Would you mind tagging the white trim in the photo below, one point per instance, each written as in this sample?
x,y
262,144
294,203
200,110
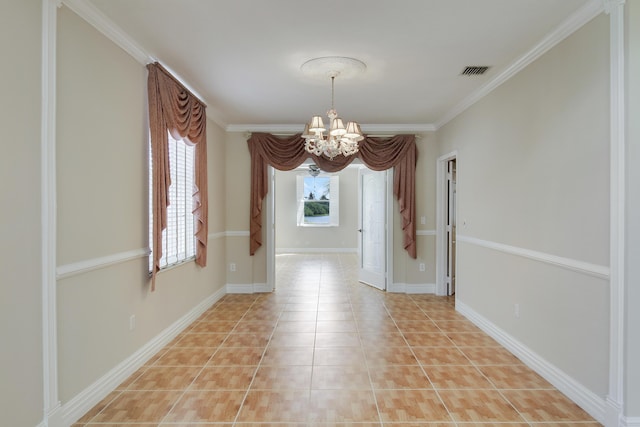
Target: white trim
x,y
598,271
412,288
316,250
578,393
390,199
72,269
247,288
69,270
565,29
92,395
51,401
113,32
261,288
292,129
237,233
397,287
271,231
615,396
425,232
420,288
399,128
214,236
441,221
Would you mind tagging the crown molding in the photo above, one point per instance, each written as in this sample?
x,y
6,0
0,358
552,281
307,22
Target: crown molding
x,y
370,128
565,29
117,35
100,22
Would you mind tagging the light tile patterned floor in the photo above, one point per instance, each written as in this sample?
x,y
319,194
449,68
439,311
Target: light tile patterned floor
x,y
324,350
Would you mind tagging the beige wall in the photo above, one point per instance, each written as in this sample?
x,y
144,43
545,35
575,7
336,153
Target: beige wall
x,y
237,210
407,270
21,375
533,173
632,337
102,211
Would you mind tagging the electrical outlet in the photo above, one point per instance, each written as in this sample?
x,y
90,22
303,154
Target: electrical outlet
x,y
132,322
232,266
516,310
422,266
423,220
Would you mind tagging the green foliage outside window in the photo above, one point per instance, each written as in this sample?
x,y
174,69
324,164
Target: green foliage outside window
x,y
316,208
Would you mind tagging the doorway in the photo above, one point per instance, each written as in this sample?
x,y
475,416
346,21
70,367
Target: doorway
x,y
372,228
352,202
446,224
451,227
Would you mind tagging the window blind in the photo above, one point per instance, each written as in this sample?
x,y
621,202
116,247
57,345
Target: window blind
x,y
178,241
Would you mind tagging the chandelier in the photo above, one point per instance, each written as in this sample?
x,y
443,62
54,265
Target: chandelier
x,y
339,139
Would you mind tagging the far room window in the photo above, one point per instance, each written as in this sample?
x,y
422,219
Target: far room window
x,y
318,201
178,240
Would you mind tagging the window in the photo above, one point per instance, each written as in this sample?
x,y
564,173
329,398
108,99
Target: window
x,y
318,201
178,240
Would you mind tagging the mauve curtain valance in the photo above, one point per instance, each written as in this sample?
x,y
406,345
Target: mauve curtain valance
x,y
175,109
398,152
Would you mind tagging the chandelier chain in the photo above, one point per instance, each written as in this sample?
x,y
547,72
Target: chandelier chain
x,y
333,80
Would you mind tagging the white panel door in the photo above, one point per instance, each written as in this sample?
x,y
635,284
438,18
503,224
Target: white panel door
x,y
373,223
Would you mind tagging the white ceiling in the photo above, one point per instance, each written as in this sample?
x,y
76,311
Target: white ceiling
x,y
243,57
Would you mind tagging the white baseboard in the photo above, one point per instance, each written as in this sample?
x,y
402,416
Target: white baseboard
x,y
261,287
239,288
593,404
243,288
92,395
412,288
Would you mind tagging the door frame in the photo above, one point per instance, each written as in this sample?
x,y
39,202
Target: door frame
x,y
441,221
271,230
271,225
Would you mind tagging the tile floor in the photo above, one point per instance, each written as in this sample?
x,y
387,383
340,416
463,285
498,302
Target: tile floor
x,y
324,350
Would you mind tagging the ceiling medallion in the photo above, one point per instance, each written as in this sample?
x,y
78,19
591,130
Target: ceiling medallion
x,y
339,139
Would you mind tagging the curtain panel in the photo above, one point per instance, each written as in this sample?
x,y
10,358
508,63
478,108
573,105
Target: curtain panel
x,y
174,108
398,152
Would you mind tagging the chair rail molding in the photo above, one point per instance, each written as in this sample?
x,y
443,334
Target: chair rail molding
x,y
598,271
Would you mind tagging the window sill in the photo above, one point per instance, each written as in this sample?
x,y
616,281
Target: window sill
x,y
175,265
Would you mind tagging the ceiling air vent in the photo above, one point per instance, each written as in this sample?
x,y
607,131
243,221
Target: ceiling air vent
x,y
474,71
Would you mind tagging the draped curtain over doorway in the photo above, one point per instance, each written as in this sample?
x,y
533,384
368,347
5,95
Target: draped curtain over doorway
x,y
398,152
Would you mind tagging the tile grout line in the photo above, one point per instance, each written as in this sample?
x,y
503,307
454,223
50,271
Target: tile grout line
x,y
366,361
419,364
184,392
494,388
253,378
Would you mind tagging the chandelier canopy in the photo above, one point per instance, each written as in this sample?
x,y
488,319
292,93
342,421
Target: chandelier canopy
x,y
339,139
